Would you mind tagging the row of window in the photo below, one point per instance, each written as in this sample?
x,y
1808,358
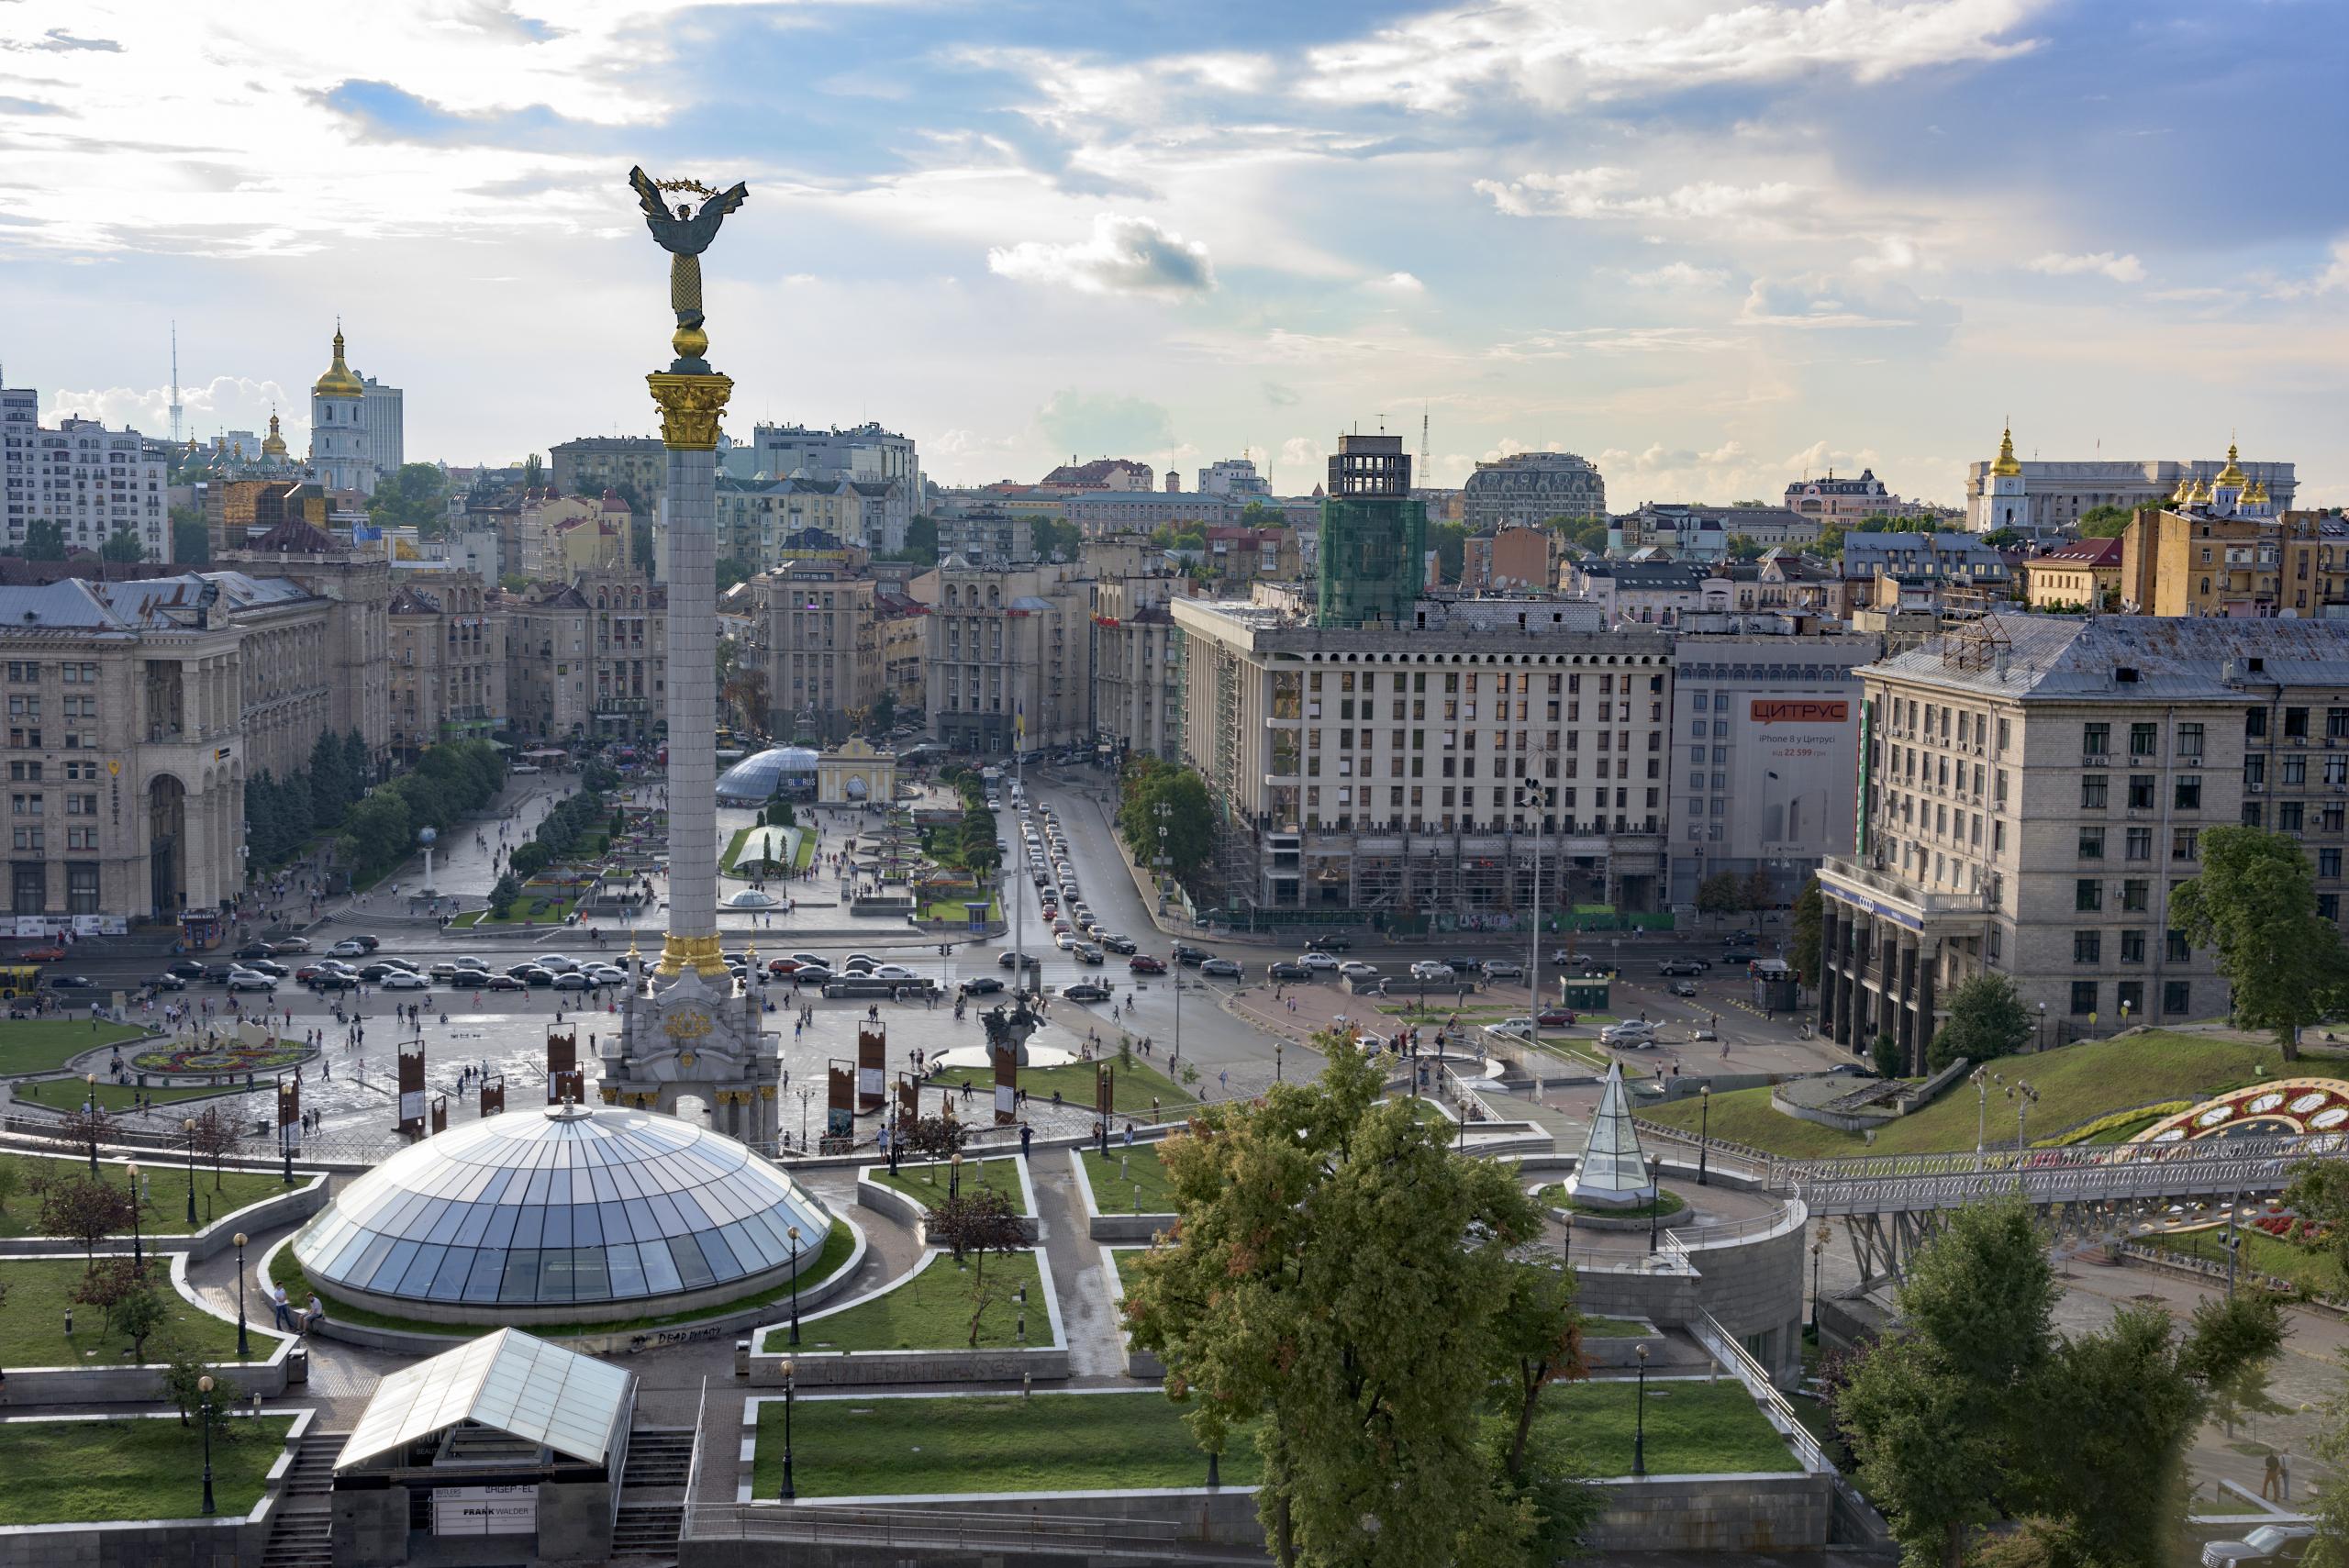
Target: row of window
x,y
28,889
28,671
77,840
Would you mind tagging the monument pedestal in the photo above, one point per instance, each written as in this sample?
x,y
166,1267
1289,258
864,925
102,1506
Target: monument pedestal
x,y
691,1038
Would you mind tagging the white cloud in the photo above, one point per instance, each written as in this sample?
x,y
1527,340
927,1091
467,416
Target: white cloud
x,y
1303,451
1396,283
1123,255
1606,193
1893,253
2119,268
1679,275
2334,277
1561,53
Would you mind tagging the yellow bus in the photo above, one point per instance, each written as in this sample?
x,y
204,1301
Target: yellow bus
x,y
20,979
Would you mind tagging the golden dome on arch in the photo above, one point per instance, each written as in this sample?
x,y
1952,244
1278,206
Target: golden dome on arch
x,y
2007,467
273,444
337,381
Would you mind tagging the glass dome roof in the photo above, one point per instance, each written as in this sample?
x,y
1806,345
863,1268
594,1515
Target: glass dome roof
x,y
754,779
572,1205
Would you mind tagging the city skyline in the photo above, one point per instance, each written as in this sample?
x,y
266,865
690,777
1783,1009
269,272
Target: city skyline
x,y
1710,248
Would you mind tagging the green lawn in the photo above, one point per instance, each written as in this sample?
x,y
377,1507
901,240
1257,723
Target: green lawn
x,y
987,1443
32,1330
806,853
68,1094
931,1311
2309,1268
1693,1429
165,1211
838,1245
46,1044
1612,1328
1667,1202
2076,1083
523,911
1134,1085
951,910
733,848
928,1184
1113,1193
86,1472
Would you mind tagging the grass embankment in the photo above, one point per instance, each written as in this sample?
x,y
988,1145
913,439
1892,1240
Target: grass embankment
x,y
1699,1427
928,1184
44,1045
165,1211
837,1244
931,1311
41,1291
68,1094
2308,1268
2076,1083
987,1443
89,1471
1115,1177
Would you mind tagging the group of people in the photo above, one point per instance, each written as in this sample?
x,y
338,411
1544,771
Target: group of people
x,y
292,1319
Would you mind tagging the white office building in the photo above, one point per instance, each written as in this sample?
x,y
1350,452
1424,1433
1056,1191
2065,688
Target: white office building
x,y
92,482
382,417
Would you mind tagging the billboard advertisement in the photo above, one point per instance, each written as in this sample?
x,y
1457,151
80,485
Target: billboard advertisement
x,y
1790,781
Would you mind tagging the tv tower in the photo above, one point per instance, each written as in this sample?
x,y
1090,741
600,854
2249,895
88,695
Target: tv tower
x,y
1423,446
176,383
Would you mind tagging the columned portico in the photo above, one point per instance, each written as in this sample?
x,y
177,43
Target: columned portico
x,y
1881,944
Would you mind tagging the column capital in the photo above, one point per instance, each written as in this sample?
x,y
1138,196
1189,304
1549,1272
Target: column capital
x,y
690,408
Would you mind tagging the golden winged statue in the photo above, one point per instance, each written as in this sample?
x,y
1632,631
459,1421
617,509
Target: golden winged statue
x,y
685,234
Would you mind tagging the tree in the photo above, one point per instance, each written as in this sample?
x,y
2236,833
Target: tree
x,y
1744,547
1756,892
1583,533
2256,901
331,787
1807,951
2106,522
1933,1410
883,715
358,763
414,496
84,1210
732,569
182,1368
11,1178
977,1220
2330,1547
1189,822
1051,536
921,541
1450,542
936,1137
503,894
191,541
123,547
534,473
122,1291
1720,894
1344,1282
44,540
214,1136
1987,1019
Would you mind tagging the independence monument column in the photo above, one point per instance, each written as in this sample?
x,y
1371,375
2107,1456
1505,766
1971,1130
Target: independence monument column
x,y
692,1035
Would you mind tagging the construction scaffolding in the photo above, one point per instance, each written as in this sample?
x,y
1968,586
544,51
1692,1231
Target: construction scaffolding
x,y
1374,536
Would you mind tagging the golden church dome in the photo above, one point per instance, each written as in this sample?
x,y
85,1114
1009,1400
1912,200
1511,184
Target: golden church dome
x,y
337,381
2007,467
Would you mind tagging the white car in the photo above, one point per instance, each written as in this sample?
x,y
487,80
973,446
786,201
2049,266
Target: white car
x,y
1504,969
1317,962
606,974
895,972
1425,969
403,980
251,980
1065,941
555,963
350,947
1356,969
1632,1034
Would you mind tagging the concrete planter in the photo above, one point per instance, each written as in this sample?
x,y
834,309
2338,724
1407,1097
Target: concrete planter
x,y
1045,1361
118,1383
1104,1227
1713,1513
729,1325
297,1203
1142,1364
1622,1350
910,1212
221,1541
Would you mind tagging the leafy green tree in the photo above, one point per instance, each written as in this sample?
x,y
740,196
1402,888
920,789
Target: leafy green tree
x,y
1987,1019
11,1178
528,860
1450,542
2106,522
732,569
884,716
2318,1195
331,782
358,764
502,896
122,547
182,1368
1189,822
2256,901
376,834
191,541
1936,1413
1720,894
1056,534
2330,1502
1805,951
921,541
1829,542
975,1222
1744,547
122,1290
44,540
1345,1282
534,473
1584,533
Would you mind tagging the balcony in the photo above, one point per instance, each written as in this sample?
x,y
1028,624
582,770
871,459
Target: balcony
x,y
1888,893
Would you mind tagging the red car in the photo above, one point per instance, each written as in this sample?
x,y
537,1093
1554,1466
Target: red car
x,y
1554,1017
49,954
1142,963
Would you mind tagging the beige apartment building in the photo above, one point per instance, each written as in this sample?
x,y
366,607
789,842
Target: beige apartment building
x,y
1137,653
1418,772
448,663
355,663
587,656
1003,641
818,635
2035,788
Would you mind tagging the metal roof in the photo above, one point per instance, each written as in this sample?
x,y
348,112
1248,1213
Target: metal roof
x,y
2166,658
508,1381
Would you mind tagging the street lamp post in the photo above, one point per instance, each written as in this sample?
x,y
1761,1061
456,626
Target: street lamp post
x,y
1276,1060
203,1393
2234,1243
1704,1131
1818,1249
954,1174
90,1119
790,1380
1980,1078
805,1095
1655,1203
1165,866
2023,1095
190,1127
793,1232
138,1250
2042,1026
1640,1430
244,1345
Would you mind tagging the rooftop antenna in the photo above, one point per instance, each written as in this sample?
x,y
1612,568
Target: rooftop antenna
x,y
175,383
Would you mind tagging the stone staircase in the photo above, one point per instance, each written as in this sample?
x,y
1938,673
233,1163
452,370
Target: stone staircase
x,y
656,1457
648,1529
303,1534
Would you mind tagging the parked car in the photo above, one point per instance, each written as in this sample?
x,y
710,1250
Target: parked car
x,y
981,985
1684,989
1142,963
1681,966
247,980
250,950
1228,968
1190,956
187,968
289,944
1085,991
1120,943
1850,1069
401,980
1631,1033
1016,960
1335,942
1284,969
2283,1543
168,982
1318,963
350,947
1504,969
1431,969
1558,1016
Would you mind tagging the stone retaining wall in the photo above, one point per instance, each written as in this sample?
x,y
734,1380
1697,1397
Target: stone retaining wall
x,y
221,1541
1622,1350
290,1207
1113,1226
1044,1361
120,1382
1712,1513
909,1211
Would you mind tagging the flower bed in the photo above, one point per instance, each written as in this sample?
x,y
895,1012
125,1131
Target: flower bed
x,y
222,1056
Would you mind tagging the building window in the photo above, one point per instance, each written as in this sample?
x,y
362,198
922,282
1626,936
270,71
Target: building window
x,y
2328,863
2091,844
2096,739
82,890
2141,844
2328,905
2290,815
2175,948
2189,740
2141,792
2136,894
2088,894
2188,795
2088,946
29,888
2083,997
2178,998
2295,724
2132,946
2142,740
2093,789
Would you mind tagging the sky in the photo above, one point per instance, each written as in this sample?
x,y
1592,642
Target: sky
x,y
1713,246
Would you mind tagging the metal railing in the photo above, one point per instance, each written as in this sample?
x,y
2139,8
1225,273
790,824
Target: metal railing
x,y
1893,1182
693,1466
940,1528
1724,1348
